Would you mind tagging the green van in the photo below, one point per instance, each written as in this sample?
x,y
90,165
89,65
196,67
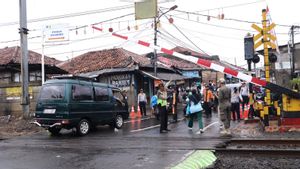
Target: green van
x,y
79,103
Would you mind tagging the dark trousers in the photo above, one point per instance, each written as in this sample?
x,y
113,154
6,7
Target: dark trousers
x,y
235,109
175,118
197,115
163,117
245,102
207,109
143,108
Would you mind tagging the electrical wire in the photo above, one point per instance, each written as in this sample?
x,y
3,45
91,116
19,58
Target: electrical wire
x,y
183,34
173,38
174,41
69,15
208,34
232,6
101,36
218,26
228,19
84,26
86,49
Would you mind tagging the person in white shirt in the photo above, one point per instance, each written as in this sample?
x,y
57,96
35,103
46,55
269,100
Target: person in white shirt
x,y
244,90
142,101
235,104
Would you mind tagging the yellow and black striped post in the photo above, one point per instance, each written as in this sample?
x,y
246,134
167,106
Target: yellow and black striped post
x,y
264,37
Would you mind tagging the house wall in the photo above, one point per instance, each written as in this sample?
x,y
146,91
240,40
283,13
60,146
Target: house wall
x,y
10,91
283,76
125,81
10,99
211,75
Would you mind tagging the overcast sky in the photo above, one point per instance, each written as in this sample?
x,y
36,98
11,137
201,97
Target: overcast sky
x,y
215,37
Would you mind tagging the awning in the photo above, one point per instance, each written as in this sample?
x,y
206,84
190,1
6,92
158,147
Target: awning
x,y
164,76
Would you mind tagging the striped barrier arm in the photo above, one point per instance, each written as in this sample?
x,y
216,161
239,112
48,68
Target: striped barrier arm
x,y
211,65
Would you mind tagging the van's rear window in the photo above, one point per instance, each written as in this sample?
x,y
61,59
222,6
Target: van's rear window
x,y
53,92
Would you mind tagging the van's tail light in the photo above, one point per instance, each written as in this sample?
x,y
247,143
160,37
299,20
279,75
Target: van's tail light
x,y
65,122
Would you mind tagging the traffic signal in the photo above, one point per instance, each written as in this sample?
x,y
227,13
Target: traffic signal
x,y
249,47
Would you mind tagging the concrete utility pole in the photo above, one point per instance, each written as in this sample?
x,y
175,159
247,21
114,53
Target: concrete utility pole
x,y
24,55
293,52
155,51
156,21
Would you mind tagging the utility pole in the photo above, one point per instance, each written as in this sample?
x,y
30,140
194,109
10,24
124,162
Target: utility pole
x,y
155,51
43,58
156,21
24,55
293,52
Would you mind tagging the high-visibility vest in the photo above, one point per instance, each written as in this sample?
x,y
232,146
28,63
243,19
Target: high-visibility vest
x,y
162,102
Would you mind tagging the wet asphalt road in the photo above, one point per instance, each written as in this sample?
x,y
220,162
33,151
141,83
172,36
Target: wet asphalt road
x,y
138,145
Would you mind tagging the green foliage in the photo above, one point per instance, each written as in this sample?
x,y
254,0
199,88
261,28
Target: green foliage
x,y
295,82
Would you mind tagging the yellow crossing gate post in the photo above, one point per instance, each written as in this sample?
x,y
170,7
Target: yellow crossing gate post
x,y
264,37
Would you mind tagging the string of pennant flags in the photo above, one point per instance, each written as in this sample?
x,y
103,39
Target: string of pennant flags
x,y
113,26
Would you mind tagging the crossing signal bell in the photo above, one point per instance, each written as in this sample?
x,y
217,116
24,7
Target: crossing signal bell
x,y
256,58
272,58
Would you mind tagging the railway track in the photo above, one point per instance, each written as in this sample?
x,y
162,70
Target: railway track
x,y
267,147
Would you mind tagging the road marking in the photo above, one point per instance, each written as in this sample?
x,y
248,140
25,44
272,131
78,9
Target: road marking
x,y
131,121
143,129
151,127
216,122
206,127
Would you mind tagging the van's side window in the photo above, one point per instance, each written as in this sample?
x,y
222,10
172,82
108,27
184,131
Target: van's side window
x,y
53,92
80,92
118,96
101,94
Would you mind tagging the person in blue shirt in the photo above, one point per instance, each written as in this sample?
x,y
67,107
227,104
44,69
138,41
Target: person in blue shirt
x,y
154,106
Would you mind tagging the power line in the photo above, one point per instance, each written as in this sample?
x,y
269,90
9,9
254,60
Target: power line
x,y
225,7
101,36
218,26
86,49
228,19
208,34
80,27
232,6
173,38
186,36
69,15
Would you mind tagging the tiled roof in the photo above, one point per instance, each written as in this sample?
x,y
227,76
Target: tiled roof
x,y
12,55
186,51
104,59
229,65
176,62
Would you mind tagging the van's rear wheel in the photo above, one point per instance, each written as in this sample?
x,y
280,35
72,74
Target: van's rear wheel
x,y
118,122
54,131
83,127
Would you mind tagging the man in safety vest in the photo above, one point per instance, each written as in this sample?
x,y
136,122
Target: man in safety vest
x,y
162,107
